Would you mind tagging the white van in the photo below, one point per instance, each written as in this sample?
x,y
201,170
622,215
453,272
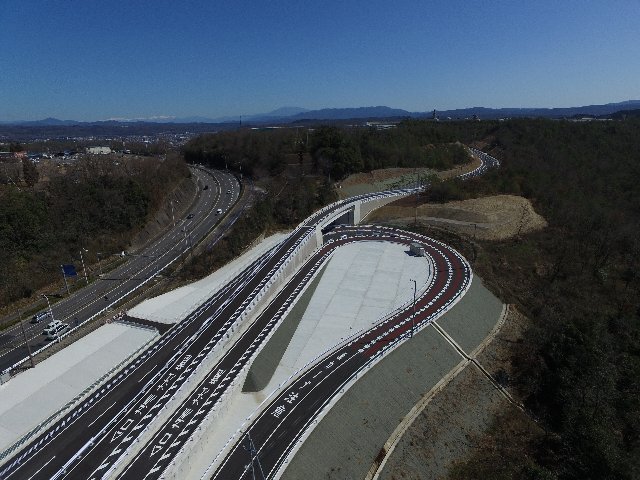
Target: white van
x,y
58,330
51,326
219,211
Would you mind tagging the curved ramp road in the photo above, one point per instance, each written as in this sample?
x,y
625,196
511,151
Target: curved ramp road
x,y
291,413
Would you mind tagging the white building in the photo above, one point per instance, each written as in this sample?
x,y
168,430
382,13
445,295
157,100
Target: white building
x,y
98,150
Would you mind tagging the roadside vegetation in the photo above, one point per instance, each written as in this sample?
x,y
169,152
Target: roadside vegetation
x,y
578,281
295,171
98,204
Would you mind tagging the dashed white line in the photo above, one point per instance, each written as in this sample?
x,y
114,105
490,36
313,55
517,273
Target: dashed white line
x,y
98,417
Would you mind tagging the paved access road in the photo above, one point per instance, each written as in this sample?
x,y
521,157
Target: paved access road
x,y
139,269
276,431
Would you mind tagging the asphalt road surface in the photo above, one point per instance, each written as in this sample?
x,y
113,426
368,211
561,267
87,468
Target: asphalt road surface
x,y
276,430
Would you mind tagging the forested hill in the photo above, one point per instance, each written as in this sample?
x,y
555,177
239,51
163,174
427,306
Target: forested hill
x,y
98,204
578,281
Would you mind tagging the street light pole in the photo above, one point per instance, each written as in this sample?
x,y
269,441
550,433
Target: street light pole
x,y
64,277
99,262
86,279
49,303
253,454
26,340
51,312
413,317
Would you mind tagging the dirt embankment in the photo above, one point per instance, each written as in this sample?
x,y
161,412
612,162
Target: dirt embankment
x,y
489,218
387,178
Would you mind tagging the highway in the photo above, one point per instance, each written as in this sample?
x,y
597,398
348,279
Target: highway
x,y
451,280
93,440
110,288
84,435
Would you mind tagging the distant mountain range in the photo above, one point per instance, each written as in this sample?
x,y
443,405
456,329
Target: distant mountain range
x,y
297,114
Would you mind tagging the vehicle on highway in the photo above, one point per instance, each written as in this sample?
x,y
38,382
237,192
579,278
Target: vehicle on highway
x,y
38,317
229,191
219,211
57,331
51,326
190,216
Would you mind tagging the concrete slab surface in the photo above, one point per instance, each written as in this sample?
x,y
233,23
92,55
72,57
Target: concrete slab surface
x,y
173,306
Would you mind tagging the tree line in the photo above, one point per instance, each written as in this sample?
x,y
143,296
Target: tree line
x,y
335,152
97,204
578,281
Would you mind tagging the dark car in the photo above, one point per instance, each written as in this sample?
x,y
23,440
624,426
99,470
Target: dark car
x,y
38,317
190,216
206,187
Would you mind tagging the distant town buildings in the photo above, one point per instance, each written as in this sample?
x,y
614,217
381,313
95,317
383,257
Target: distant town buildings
x,y
98,150
381,125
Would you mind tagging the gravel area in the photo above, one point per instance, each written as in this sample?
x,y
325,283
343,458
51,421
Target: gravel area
x,y
489,218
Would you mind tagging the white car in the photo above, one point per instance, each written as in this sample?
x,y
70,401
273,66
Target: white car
x,y
51,326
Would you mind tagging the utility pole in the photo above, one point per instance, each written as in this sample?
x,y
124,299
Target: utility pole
x,y
26,340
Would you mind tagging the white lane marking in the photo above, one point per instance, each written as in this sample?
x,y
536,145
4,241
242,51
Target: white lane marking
x,y
98,417
147,373
38,471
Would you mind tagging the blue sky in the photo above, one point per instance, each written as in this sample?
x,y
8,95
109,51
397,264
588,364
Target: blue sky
x,y
100,59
